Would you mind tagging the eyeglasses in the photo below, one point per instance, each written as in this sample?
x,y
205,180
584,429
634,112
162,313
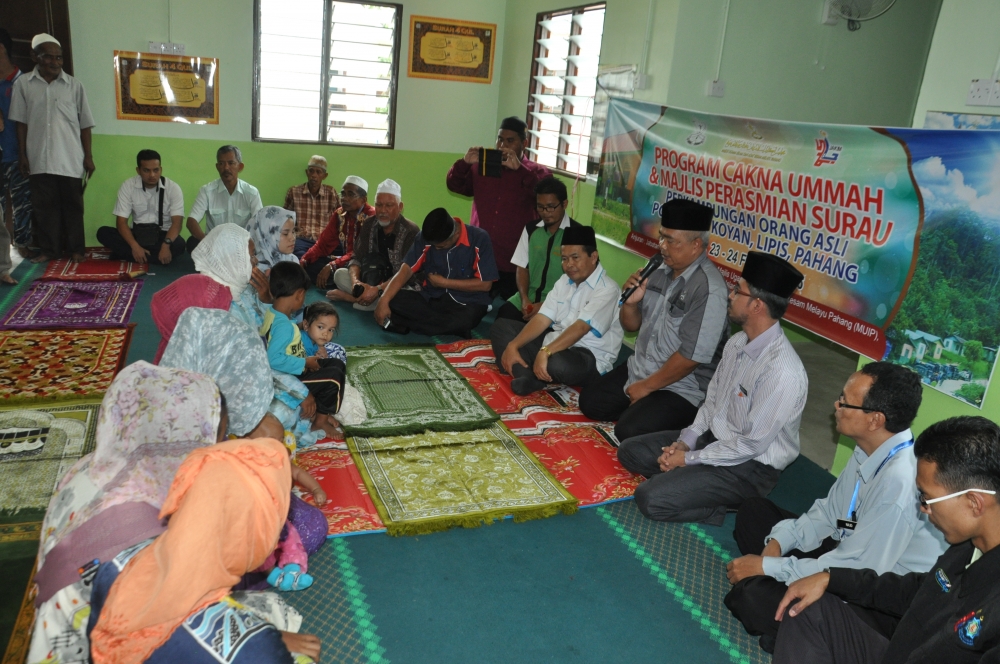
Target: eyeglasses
x,y
735,290
548,208
927,503
349,194
842,404
50,58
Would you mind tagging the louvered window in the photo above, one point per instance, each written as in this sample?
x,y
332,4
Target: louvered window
x,y
563,85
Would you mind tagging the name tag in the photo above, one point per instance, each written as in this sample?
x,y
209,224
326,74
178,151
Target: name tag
x,y
844,524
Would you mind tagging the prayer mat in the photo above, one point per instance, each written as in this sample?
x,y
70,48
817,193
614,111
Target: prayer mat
x,y
73,304
98,266
349,509
439,479
409,389
60,364
37,446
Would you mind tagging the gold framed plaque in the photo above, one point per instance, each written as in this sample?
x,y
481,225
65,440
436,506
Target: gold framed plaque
x,y
166,88
451,50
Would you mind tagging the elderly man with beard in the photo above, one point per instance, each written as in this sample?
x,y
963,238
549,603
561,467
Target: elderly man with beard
x,y
335,246
379,252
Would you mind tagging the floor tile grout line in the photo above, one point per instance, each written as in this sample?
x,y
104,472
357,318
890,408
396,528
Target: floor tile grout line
x,y
364,622
687,602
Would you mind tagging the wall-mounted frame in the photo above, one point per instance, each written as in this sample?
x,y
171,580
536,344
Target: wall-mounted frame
x,y
451,50
166,88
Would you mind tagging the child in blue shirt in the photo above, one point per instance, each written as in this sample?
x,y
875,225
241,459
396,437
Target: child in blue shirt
x,y
286,349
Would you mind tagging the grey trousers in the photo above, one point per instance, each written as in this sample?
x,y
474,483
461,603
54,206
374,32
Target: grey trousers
x,y
573,366
699,493
828,632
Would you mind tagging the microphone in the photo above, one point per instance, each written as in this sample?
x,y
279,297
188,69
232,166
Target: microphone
x,y
654,262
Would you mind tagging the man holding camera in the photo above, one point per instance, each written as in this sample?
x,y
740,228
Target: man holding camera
x,y
503,200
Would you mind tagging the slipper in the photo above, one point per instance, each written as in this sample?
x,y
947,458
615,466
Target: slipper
x,y
290,577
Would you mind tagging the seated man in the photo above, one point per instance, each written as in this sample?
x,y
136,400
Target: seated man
x,y
537,257
945,615
313,204
579,319
156,206
680,313
382,244
870,519
454,266
228,200
747,430
335,246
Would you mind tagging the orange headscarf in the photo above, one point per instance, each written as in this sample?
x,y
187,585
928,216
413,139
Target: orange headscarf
x,y
228,503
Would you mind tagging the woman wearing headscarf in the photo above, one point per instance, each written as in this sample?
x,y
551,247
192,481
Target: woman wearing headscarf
x,y
273,234
150,418
226,508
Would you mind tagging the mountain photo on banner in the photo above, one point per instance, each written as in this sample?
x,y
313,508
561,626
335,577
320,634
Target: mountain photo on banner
x,y
948,327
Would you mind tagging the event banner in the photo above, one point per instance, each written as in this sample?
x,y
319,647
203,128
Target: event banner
x,y
897,231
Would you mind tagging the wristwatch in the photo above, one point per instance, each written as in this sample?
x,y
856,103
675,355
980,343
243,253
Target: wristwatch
x,y
545,349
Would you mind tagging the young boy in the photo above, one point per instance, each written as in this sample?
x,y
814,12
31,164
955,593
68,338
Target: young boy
x,y
286,352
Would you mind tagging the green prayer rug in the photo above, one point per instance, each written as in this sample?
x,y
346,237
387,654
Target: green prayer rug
x,y
410,389
37,447
436,480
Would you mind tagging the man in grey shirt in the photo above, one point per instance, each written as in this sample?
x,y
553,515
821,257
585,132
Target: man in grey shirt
x,y
870,519
747,430
680,313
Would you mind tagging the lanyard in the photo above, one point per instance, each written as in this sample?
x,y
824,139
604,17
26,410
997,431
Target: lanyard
x,y
852,514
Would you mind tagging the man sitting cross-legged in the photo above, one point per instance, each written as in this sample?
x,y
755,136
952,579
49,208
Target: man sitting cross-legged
x,y
869,520
946,614
579,321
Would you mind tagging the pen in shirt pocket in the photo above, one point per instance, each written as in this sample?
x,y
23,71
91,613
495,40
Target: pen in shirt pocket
x,y
743,392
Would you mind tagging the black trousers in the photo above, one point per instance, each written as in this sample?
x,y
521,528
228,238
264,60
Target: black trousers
x,y
573,366
509,311
699,493
829,632
192,242
313,269
604,399
754,600
505,286
57,201
326,385
441,315
109,237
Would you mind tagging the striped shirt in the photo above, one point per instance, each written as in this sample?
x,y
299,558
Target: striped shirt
x,y
754,404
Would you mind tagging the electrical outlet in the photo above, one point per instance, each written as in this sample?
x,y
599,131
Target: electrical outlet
x,y
156,47
176,49
715,88
829,17
994,99
979,92
642,81
166,47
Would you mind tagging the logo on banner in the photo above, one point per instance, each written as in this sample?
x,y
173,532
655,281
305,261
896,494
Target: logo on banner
x,y
756,135
826,152
697,137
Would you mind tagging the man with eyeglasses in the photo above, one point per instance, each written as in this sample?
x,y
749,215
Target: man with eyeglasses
x,y
868,520
537,259
501,205
313,204
227,200
680,315
946,614
54,125
334,248
747,431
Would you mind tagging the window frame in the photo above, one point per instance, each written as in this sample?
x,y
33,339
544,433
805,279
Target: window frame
x,y
536,53
324,111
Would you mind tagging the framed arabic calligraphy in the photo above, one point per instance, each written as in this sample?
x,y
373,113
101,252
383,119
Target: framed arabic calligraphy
x,y
451,50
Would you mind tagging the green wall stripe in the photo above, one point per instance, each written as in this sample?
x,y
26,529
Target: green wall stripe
x,y
715,632
364,621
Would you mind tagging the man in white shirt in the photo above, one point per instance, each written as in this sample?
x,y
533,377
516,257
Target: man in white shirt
x,y
579,321
156,206
228,200
747,430
53,134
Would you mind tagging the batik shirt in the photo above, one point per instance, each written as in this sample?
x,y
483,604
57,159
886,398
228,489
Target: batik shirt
x,y
340,233
225,631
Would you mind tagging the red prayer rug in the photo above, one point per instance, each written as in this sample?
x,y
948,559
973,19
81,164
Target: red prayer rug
x,y
73,304
98,266
348,509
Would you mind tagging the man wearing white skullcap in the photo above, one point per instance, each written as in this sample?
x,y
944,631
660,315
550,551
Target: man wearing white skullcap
x,y
53,122
335,246
313,203
379,251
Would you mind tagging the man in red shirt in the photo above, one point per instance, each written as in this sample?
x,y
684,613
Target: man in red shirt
x,y
501,206
335,246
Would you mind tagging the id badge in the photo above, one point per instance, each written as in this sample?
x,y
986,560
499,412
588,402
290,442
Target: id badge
x,y
844,524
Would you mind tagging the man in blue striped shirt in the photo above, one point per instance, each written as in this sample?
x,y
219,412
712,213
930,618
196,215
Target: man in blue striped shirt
x,y
747,430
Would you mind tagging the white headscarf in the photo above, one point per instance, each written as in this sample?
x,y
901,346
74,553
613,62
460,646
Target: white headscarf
x,y
224,255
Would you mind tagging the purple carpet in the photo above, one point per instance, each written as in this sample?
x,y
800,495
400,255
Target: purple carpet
x,y
73,304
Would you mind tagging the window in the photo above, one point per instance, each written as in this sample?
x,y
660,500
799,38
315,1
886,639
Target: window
x,y
325,71
563,85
